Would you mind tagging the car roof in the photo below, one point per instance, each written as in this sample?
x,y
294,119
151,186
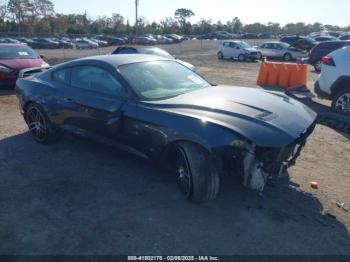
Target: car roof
x,y
124,59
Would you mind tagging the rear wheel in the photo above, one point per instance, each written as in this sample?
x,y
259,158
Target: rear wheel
x,y
318,66
40,126
341,101
195,173
287,57
220,56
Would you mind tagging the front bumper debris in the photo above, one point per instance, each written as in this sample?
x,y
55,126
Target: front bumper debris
x,y
269,164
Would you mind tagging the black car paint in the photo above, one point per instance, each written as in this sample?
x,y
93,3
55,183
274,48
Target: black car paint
x,y
325,48
214,117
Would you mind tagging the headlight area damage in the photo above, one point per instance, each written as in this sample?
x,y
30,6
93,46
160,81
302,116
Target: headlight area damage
x,y
260,165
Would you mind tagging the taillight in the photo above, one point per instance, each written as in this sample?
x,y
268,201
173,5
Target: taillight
x,y
326,60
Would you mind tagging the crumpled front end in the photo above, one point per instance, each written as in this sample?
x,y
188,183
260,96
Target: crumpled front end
x,y
262,164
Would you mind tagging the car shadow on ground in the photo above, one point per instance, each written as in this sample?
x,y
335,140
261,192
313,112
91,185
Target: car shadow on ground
x,y
78,197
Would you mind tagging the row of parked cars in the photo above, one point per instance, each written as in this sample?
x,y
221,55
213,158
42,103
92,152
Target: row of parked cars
x,y
288,48
93,42
330,58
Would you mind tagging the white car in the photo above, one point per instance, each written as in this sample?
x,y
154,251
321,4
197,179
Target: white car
x,y
238,50
85,44
334,80
279,50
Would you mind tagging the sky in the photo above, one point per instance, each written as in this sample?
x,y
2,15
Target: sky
x,y
334,12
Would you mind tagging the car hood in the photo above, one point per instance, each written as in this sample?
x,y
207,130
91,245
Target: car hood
x,y
22,63
267,119
250,49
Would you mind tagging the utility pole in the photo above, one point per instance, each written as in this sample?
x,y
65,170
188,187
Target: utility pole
x,y
137,16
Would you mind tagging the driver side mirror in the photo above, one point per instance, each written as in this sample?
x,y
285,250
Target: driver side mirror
x,y
237,47
42,56
175,57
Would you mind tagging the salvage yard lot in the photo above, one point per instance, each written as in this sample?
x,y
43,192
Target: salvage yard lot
x,y
78,197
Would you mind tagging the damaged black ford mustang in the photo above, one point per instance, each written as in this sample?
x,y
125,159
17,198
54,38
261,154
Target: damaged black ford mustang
x,y
161,110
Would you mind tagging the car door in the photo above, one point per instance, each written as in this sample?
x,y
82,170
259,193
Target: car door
x,y
93,101
233,50
269,50
264,50
277,50
225,49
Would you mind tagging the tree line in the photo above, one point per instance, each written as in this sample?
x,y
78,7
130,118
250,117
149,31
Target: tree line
x,y
39,17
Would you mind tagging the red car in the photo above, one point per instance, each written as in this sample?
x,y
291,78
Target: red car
x,y
15,57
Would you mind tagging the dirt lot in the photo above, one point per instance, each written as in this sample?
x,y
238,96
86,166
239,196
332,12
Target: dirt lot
x,y
77,197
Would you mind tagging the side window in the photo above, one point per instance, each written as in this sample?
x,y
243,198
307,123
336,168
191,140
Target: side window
x,y
60,75
226,44
95,79
277,46
127,51
233,45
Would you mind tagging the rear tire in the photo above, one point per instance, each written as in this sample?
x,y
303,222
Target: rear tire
x,y
196,172
40,126
287,57
341,101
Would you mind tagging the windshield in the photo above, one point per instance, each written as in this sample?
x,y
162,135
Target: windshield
x,y
161,79
17,52
155,51
243,45
310,40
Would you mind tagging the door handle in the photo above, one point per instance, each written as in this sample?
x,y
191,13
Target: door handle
x,y
68,100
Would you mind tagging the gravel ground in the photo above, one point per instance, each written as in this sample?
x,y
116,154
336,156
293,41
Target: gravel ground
x,y
78,197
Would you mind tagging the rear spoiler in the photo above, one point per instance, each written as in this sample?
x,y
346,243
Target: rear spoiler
x,y
31,71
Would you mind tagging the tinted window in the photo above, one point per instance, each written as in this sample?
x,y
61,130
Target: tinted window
x,y
332,46
268,46
233,45
95,79
127,51
60,75
226,44
277,46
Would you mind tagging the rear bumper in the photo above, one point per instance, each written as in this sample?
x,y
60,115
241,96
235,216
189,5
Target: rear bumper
x,y
319,92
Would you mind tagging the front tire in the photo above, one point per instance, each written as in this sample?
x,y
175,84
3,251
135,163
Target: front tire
x,y
341,101
40,126
241,58
195,171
